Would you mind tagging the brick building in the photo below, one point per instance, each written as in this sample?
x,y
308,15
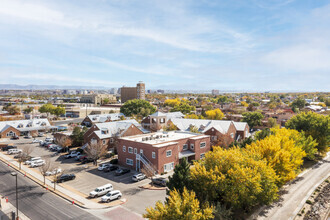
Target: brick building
x,y
221,131
158,120
129,93
98,99
108,133
9,129
160,151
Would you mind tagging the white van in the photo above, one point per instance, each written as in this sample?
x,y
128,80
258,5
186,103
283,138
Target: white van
x,y
14,151
102,190
37,163
28,162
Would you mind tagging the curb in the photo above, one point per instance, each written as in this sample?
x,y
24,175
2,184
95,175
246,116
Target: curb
x,y
63,196
141,187
297,210
43,186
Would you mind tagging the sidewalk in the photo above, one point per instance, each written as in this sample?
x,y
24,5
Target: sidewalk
x,y
7,208
60,190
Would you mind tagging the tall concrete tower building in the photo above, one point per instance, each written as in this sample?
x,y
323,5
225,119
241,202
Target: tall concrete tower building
x,y
141,90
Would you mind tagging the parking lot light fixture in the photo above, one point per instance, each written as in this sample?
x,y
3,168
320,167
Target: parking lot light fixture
x,y
15,174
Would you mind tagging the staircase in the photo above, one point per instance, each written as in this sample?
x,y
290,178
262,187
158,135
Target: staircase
x,y
147,163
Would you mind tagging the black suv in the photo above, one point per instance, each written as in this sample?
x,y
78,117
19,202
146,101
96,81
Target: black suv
x,y
120,172
65,177
8,147
110,168
159,181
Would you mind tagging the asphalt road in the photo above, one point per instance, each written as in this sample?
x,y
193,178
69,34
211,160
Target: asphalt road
x,y
34,201
295,193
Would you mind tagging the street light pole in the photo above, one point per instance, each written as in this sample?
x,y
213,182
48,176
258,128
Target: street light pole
x,y
15,174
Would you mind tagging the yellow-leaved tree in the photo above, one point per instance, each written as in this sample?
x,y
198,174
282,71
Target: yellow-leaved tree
x,y
234,179
172,102
215,114
281,153
183,206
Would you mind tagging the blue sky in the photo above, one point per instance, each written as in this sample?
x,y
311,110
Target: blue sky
x,y
244,45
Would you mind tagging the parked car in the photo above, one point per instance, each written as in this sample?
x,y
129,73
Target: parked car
x,y
72,154
37,163
65,177
87,160
46,143
36,141
14,151
77,158
49,140
115,194
159,181
120,172
103,166
110,168
59,149
40,134
15,137
52,147
8,147
138,177
53,172
100,191
28,137
28,162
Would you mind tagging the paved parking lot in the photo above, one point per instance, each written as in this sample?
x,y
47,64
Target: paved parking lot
x,y
89,178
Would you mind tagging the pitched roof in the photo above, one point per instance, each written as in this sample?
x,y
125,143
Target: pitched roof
x,y
240,126
33,123
204,125
169,115
115,128
104,117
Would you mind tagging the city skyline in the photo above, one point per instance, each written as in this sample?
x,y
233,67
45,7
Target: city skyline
x,y
242,46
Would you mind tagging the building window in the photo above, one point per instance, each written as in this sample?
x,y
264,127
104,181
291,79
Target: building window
x,y
214,138
168,167
130,150
135,151
246,133
192,146
124,148
153,155
129,162
232,135
10,134
202,156
202,145
168,153
141,151
111,140
185,147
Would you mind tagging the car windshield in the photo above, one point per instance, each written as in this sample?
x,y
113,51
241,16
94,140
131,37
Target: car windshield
x,y
96,190
108,194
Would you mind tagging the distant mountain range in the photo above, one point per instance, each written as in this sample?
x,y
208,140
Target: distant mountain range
x,y
47,87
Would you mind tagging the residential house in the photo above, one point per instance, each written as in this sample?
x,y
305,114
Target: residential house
x,y
93,119
10,129
221,131
160,151
108,133
158,120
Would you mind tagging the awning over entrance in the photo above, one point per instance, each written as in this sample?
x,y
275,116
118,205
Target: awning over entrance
x,y
186,153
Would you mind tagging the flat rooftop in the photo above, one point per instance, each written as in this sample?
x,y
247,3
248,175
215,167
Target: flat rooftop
x,y
162,138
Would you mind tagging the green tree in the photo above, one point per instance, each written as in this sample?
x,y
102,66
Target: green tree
x,y
47,108
180,178
137,107
252,118
106,101
184,108
222,99
58,111
298,103
314,125
13,110
178,206
272,122
28,110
